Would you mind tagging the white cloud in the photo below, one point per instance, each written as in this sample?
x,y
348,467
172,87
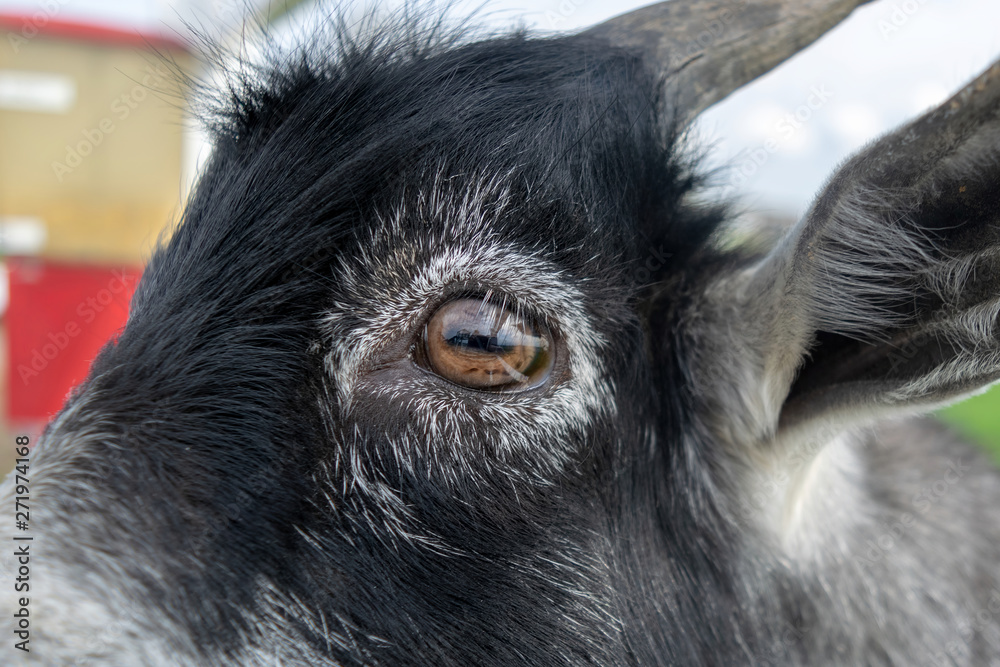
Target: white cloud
x,y
855,124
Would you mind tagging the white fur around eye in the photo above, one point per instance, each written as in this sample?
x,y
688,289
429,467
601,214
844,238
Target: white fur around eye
x,y
384,294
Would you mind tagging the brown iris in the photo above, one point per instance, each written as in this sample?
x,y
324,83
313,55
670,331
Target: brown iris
x,y
480,345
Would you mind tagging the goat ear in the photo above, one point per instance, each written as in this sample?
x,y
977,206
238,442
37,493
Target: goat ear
x,y
886,296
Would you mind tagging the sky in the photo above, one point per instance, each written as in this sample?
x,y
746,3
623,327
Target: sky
x,y
778,139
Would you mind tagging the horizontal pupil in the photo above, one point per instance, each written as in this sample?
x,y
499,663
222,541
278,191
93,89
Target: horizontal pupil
x,y
482,346
477,342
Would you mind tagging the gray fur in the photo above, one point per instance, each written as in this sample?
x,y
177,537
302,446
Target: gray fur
x,y
774,503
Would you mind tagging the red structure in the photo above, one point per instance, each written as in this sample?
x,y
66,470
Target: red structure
x,y
92,159
29,24
61,316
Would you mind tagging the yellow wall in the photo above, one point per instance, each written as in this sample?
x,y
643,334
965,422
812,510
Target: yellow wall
x,y
110,204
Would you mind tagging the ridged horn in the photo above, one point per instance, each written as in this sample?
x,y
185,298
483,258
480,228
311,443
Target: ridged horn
x,y
706,49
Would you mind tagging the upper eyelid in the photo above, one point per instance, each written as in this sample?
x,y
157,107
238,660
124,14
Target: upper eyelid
x,y
497,297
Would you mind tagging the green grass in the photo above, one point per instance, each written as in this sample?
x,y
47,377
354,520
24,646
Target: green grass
x,y
978,418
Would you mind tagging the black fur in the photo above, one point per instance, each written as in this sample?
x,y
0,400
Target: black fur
x,y
240,497
216,374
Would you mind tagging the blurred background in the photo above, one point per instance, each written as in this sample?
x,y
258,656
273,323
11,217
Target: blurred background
x,y
98,148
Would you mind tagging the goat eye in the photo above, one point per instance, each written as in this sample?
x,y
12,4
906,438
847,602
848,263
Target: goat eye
x,y
480,345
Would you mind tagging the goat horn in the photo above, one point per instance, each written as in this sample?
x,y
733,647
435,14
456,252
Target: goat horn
x,y
706,49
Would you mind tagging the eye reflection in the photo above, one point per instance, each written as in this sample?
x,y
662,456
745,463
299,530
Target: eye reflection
x,y
480,345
